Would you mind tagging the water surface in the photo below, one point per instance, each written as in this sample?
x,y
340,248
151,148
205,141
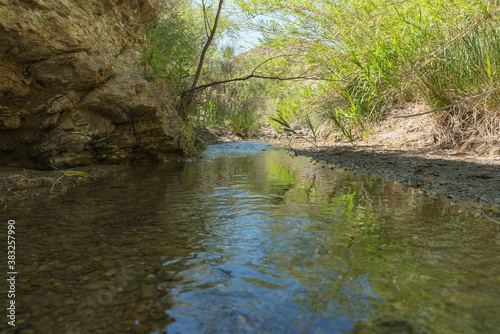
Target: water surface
x,y
251,240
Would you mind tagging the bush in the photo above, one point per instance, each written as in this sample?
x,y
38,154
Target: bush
x,y
373,54
215,109
171,45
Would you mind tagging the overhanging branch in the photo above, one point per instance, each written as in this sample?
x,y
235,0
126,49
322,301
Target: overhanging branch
x,y
253,74
250,76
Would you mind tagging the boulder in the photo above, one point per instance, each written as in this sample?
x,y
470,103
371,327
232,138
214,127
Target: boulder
x,y
71,85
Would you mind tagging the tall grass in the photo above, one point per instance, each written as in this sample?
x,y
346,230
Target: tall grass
x,y
467,68
397,61
189,141
379,53
244,122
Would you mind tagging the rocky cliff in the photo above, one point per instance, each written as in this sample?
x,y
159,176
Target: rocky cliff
x,y
71,91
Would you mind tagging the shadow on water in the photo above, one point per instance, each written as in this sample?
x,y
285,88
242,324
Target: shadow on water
x,y
251,240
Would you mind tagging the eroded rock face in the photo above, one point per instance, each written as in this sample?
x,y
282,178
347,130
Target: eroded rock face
x,y
71,91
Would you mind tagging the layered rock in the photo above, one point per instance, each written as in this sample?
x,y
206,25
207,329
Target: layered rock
x,y
71,90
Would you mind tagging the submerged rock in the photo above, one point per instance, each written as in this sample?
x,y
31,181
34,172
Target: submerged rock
x,y
205,274
71,90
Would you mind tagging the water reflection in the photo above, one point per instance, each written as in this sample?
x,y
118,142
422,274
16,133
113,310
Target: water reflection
x,y
251,240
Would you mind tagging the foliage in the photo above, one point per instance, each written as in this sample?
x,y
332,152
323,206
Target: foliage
x,y
171,51
258,95
171,45
210,109
243,121
279,117
189,141
372,54
171,48
215,109
368,55
338,117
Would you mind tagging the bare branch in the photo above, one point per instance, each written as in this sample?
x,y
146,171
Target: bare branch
x,y
207,45
205,18
301,76
250,76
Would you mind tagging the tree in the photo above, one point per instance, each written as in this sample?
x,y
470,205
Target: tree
x,y
187,96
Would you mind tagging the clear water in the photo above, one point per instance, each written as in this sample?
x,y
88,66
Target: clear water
x,y
251,240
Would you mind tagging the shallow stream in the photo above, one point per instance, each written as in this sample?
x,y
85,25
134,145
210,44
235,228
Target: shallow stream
x,y
251,240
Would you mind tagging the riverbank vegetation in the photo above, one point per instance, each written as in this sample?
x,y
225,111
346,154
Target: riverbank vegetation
x,y
331,65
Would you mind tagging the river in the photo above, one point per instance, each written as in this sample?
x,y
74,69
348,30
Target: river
x,y
252,240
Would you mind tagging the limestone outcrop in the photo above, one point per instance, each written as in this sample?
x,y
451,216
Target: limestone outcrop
x,y
71,90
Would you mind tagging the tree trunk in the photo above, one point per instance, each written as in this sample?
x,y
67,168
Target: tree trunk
x,y
188,96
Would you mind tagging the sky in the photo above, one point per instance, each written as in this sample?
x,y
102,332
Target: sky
x,y
244,40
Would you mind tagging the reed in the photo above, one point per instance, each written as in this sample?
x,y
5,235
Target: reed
x,y
379,53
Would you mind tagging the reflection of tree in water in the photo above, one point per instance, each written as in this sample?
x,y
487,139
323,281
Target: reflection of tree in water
x,y
374,240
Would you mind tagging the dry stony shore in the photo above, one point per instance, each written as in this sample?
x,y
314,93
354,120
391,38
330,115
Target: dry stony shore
x,y
446,176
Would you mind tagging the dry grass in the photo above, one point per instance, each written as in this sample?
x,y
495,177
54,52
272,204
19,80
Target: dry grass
x,y
457,131
465,126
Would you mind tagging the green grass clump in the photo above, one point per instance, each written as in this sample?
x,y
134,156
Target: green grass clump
x,y
467,68
189,142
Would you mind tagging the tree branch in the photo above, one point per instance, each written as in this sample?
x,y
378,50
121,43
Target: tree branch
x,y
207,45
250,76
205,18
187,96
302,76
